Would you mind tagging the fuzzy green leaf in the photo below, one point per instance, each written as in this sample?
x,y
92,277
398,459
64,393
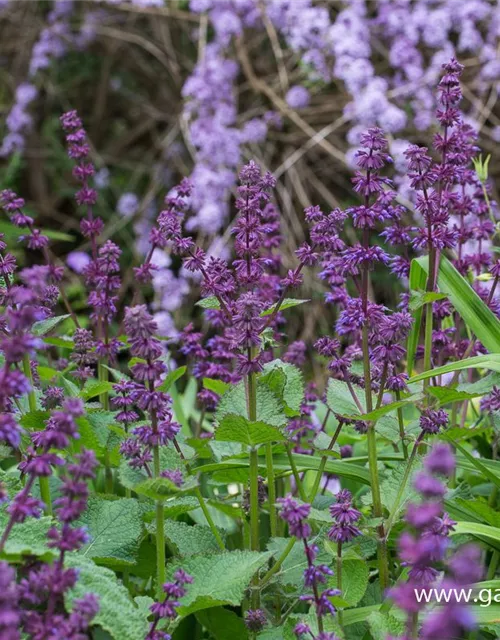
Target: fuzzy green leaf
x,y
220,579
234,428
114,527
118,614
270,409
43,327
188,540
286,381
355,575
27,538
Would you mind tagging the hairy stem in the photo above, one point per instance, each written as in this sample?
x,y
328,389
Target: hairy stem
x,y
322,464
271,490
296,475
201,501
160,530
339,577
104,399
401,428
42,480
254,518
402,486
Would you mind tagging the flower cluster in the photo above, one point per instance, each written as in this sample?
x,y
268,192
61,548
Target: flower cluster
x,y
295,515
346,517
424,552
167,608
143,393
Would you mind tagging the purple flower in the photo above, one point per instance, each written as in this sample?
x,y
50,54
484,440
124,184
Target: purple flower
x,y
255,620
10,617
127,205
168,608
298,97
432,420
78,261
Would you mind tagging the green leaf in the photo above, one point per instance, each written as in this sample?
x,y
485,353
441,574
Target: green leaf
x,y
44,326
355,575
171,378
287,303
269,407
481,468
477,529
489,361
391,485
417,282
63,342
475,313
233,428
220,579
58,235
286,381
47,373
343,468
118,614
179,506
189,540
481,386
223,624
114,527
162,488
419,299
69,387
385,625
340,400
217,386
93,388
100,421
27,538
291,572
446,395
34,420
208,303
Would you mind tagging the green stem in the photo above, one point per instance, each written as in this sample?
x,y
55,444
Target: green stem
x,y
322,464
160,530
401,427
211,523
277,565
43,481
492,569
373,467
104,399
296,475
254,518
428,342
201,501
254,499
271,490
402,485
339,577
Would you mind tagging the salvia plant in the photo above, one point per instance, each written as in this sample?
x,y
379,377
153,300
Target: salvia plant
x,y
154,488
